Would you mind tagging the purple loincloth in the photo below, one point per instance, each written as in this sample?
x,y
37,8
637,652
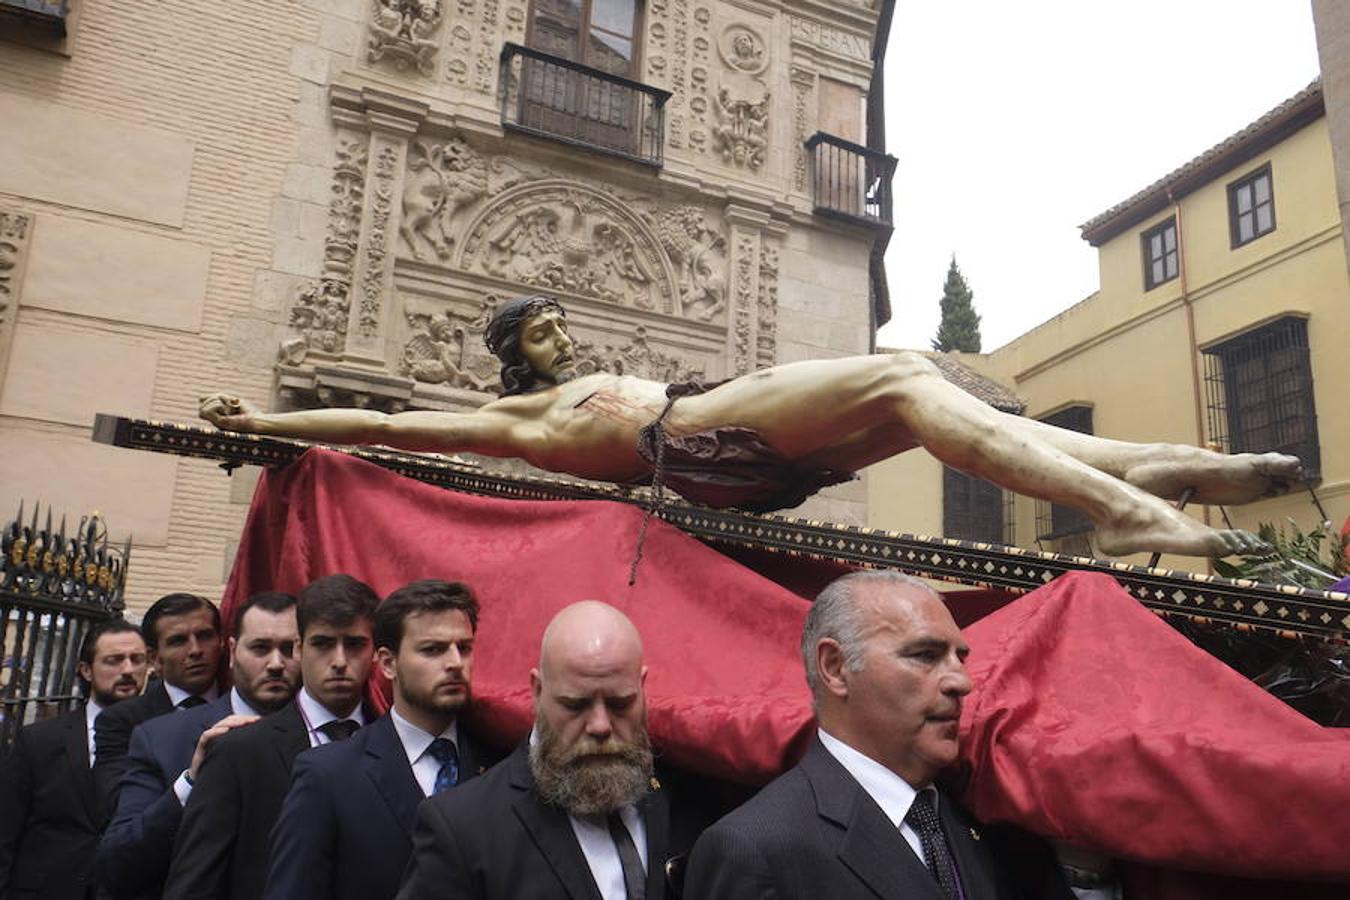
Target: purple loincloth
x,y
730,466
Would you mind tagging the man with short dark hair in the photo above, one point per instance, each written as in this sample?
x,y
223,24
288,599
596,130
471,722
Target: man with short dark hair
x,y
50,814
575,811
222,844
182,632
345,828
859,818
166,752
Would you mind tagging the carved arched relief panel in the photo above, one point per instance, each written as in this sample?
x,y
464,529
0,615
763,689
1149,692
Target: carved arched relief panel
x,y
562,236
404,34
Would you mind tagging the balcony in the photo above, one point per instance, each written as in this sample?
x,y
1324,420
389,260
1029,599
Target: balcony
x,y
45,14
547,95
849,181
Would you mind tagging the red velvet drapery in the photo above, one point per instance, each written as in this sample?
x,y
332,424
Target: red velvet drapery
x,y
1091,720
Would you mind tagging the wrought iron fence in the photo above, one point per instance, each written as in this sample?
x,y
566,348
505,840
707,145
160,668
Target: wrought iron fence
x,y
1259,388
557,98
53,589
850,180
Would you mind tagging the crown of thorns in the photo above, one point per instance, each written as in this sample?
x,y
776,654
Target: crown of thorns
x,y
508,316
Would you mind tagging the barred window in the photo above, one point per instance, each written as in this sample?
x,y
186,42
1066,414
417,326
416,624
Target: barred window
x,y
1260,393
1160,254
973,509
1054,520
1251,207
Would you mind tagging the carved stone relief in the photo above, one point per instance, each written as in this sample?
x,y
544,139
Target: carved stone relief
x,y
567,236
373,270
15,229
745,301
803,82
637,357
402,31
699,53
442,180
697,253
447,348
741,105
321,308
767,322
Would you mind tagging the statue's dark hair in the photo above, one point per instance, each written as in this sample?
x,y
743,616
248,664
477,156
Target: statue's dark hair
x,y
503,340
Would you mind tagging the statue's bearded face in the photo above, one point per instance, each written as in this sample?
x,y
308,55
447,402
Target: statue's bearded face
x,y
547,347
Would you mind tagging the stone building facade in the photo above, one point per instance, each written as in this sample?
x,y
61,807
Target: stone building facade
x,y
316,203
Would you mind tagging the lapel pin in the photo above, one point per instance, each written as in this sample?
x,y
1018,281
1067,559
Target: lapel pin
x,y
656,784
974,834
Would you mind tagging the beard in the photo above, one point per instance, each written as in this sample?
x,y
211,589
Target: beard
x,y
590,778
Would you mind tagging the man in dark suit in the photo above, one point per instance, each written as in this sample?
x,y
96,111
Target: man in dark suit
x,y
575,812
167,751
183,634
346,827
859,816
49,812
222,844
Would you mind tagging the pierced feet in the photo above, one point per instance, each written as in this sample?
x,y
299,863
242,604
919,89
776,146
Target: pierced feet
x,y
1227,480
1161,529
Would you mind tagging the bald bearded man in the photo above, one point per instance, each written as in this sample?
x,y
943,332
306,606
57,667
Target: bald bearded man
x,y
576,811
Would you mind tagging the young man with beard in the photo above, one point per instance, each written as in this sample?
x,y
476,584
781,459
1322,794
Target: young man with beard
x,y
49,811
166,752
182,632
859,818
575,811
346,827
221,848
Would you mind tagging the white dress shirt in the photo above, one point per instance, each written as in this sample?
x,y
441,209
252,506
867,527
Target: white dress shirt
x,y
417,744
177,695
316,715
598,847
91,711
891,792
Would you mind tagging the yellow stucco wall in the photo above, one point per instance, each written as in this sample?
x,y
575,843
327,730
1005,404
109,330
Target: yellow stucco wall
x,y
1125,350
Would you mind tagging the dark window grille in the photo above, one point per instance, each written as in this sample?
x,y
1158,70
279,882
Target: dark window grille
x,y
1160,254
564,100
1054,520
1259,388
1251,207
973,509
849,180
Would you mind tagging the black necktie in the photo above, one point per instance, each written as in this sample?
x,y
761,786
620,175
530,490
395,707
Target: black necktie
x,y
447,776
937,856
190,701
634,876
339,729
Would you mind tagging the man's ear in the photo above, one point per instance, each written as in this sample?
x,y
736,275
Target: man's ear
x,y
230,643
86,672
831,667
536,684
384,658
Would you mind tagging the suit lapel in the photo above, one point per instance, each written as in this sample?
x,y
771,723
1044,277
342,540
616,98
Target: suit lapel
x,y
973,861
870,847
385,763
551,832
291,736
655,811
75,742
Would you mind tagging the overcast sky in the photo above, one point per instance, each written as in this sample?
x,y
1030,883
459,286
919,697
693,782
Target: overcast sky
x,y
1015,122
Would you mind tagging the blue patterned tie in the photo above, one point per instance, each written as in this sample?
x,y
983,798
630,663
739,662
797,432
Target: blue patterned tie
x,y
443,751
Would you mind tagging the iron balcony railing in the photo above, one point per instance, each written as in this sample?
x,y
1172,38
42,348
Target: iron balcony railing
x,y
849,180
556,98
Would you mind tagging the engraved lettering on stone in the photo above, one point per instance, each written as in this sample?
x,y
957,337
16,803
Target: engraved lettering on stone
x,y
830,39
697,252
442,179
402,32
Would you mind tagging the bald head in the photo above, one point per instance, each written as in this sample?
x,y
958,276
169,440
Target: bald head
x,y
590,637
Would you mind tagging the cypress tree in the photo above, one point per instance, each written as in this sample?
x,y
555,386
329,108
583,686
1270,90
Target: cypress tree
x,y
960,326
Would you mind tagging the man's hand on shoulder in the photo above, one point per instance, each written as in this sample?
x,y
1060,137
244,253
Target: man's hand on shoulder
x,y
229,723
227,412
